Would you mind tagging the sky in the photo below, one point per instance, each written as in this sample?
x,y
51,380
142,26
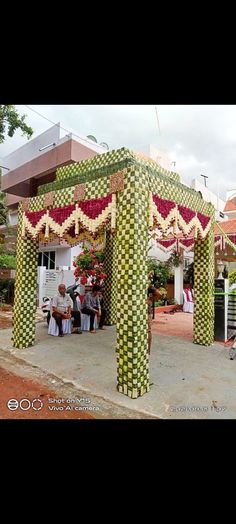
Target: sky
x,y
200,139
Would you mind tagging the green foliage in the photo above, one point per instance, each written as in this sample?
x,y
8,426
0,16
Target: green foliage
x,y
3,210
10,121
7,261
172,302
189,274
163,292
7,291
159,303
175,259
160,270
232,277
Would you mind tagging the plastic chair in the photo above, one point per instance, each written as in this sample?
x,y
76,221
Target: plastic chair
x,y
54,330
187,305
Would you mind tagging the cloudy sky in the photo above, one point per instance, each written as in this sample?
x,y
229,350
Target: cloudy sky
x,y
200,139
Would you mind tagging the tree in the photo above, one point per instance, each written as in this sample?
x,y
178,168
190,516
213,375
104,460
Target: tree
x,y
3,209
10,121
160,271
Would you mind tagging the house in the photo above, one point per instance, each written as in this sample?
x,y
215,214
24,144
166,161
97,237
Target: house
x,y
35,164
230,206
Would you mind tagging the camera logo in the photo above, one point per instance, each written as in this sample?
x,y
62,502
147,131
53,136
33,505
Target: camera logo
x,y
25,404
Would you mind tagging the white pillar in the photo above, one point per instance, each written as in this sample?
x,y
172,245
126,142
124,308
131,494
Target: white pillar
x,y
179,284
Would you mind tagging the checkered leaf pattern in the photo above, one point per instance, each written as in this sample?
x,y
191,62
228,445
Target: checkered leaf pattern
x,y
25,289
110,267
203,320
65,197
179,193
132,237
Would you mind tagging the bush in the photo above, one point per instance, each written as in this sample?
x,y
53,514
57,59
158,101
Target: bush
x,y
160,270
172,302
7,261
232,277
7,291
159,303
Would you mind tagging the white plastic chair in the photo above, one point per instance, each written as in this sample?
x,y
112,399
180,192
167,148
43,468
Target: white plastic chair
x,y
187,306
54,330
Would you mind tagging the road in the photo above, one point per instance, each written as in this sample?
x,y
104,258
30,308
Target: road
x,y
34,394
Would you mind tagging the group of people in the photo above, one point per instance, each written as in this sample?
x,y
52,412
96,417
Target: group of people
x,y
66,305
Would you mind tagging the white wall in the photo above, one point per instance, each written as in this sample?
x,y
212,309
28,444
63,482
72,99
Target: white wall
x,y
30,150
230,194
49,280
160,156
156,252
63,257
13,218
209,196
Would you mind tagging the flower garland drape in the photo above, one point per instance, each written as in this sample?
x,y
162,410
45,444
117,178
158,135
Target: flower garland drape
x,y
90,215
165,213
187,244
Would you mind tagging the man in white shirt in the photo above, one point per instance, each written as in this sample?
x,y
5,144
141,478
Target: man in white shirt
x,y
61,307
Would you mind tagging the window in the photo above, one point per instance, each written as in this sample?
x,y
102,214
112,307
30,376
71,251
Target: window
x,y
47,259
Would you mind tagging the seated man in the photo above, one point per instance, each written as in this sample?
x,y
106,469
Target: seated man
x,y
61,307
91,306
75,312
103,311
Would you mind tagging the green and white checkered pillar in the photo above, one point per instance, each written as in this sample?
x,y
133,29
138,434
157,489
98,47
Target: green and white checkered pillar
x,y
110,283
25,289
203,320
132,244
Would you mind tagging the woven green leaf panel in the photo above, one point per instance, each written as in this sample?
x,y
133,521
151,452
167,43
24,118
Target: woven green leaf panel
x,y
203,320
132,239
110,295
25,289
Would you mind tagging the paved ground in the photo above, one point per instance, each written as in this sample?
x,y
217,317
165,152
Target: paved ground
x,y
178,324
6,316
189,381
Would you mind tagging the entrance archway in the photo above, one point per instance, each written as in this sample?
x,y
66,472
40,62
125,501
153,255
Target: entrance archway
x,y
126,195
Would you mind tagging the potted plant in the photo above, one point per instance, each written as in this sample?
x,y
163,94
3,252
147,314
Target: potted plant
x,y
163,294
89,267
175,259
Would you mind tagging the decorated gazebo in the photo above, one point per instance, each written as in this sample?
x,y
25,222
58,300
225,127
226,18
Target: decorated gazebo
x,y
121,196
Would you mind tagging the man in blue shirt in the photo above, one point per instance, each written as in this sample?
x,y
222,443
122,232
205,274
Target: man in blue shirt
x,y
91,306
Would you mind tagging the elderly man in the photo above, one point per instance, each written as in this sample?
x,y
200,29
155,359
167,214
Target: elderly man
x,y
61,307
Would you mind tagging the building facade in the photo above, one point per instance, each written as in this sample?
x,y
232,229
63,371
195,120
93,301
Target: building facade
x,y
35,164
